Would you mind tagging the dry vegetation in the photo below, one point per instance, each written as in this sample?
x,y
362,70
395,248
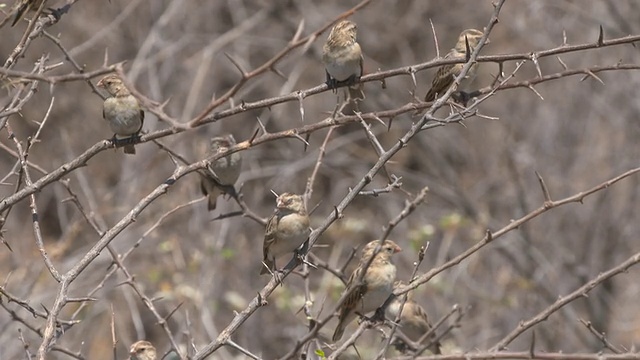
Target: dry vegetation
x,y
480,166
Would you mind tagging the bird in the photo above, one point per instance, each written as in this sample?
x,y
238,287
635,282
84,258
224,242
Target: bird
x,y
287,229
142,350
25,6
342,58
414,322
375,288
446,74
123,113
225,169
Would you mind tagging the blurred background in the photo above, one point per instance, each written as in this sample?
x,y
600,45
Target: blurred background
x,y
481,175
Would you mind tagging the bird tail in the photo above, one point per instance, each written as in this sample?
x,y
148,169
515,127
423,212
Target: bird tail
x,y
129,149
337,335
210,191
431,95
436,348
211,202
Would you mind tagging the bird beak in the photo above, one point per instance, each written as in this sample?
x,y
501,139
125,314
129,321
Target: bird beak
x,y
100,84
397,249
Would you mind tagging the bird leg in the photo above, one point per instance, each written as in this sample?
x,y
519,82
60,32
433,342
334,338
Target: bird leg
x,y
331,82
131,140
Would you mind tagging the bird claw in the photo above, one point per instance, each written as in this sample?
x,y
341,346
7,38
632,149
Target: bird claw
x,y
131,140
378,316
279,276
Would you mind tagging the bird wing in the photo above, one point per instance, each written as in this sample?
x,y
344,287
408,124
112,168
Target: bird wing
x,y
270,233
355,290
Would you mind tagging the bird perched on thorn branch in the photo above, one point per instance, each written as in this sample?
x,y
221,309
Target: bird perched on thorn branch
x,y
375,288
342,58
446,74
123,113
287,230
226,170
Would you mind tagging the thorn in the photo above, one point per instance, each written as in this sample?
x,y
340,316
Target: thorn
x,y
338,214
300,98
412,72
545,190
600,37
296,36
278,72
236,64
262,301
253,137
530,87
264,129
533,344
591,74
306,144
534,58
306,139
562,63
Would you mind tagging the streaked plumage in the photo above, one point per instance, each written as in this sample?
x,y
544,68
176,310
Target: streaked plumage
x,y
122,111
287,230
376,286
226,169
342,58
446,74
142,350
414,322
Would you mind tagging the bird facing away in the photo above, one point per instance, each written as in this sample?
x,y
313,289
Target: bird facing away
x,y
142,350
414,322
342,58
123,113
446,74
374,289
226,170
287,229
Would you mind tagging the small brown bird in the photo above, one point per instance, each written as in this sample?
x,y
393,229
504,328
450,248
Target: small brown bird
x,y
414,322
342,58
226,170
123,113
375,288
287,229
446,74
142,350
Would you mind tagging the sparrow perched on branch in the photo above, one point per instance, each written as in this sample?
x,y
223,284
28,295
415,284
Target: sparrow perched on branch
x,y
446,74
287,230
414,322
123,113
226,170
342,58
375,288
142,350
